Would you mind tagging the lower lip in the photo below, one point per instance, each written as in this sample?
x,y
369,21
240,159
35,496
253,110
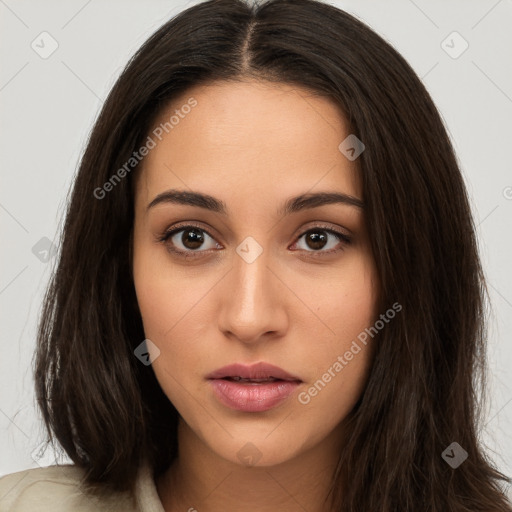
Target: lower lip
x,y
252,397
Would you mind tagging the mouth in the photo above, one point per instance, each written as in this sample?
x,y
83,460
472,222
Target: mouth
x,y
241,380
259,373
255,388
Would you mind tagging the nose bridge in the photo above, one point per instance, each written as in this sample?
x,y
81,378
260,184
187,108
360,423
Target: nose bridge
x,y
250,276
250,304
250,279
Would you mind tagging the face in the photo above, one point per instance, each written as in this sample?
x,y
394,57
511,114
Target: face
x,y
240,279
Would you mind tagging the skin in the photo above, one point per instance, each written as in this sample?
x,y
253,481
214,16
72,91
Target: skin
x,y
254,145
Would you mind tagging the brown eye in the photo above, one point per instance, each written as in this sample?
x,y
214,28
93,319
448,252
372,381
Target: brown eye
x,y
187,240
192,238
318,239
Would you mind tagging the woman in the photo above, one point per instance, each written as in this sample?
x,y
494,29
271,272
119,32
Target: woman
x,y
269,292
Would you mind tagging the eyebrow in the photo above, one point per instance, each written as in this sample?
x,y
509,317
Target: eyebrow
x,y
292,205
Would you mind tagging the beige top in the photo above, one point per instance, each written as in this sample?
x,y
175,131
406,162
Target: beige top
x,y
57,489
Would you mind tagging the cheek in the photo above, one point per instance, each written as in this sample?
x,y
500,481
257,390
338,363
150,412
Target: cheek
x,y
327,400
164,318
165,305
341,344
342,305
162,292
339,364
172,306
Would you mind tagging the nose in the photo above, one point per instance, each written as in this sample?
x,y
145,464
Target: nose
x,y
253,301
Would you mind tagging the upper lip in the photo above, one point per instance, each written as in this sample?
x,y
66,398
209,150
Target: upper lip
x,y
255,371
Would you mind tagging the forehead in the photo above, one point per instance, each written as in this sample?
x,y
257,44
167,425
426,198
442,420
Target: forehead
x,y
252,137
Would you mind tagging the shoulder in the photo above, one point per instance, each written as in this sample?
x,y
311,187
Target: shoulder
x,y
55,489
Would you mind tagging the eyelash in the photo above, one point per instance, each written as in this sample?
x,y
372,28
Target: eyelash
x,y
164,237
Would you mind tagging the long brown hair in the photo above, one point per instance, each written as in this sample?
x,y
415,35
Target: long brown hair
x,y
108,411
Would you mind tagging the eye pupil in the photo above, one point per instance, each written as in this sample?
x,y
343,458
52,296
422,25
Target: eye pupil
x,y
192,238
318,239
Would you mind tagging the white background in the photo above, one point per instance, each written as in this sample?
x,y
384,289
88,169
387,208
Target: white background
x,y
48,107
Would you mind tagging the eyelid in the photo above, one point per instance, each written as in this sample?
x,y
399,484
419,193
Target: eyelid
x,y
344,237
169,232
326,226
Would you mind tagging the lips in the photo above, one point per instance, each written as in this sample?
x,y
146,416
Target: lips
x,y
260,372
